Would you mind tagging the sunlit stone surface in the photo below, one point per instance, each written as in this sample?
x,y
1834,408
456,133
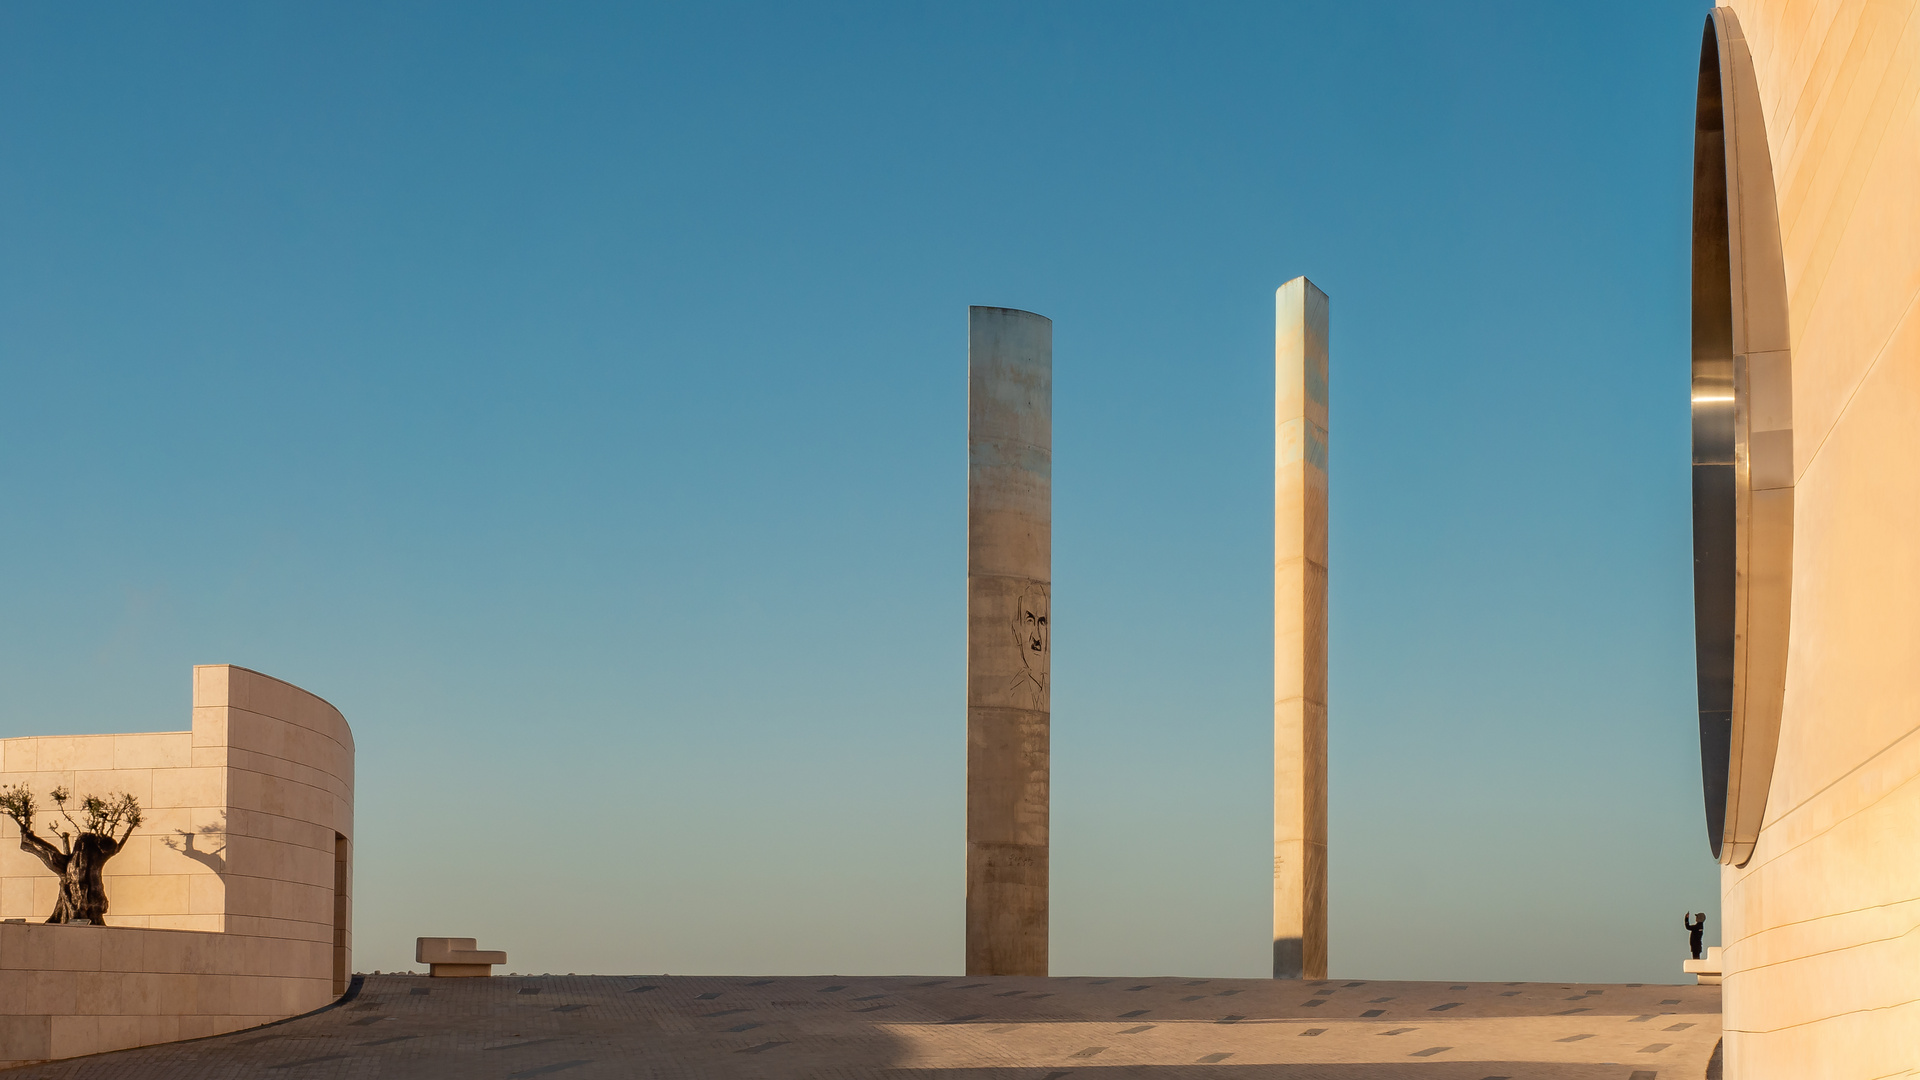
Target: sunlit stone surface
x,y
1009,637
587,1028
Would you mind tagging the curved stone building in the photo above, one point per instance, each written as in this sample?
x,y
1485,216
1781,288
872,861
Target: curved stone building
x,y
230,906
1807,527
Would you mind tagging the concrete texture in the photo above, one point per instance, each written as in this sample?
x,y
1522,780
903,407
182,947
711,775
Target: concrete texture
x,y
246,847
582,1028
1300,632
1009,637
1821,927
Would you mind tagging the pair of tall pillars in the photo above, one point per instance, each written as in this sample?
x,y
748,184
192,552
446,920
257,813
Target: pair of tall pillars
x,y
1009,636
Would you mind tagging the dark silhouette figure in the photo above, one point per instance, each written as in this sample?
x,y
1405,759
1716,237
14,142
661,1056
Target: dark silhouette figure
x,y
1696,930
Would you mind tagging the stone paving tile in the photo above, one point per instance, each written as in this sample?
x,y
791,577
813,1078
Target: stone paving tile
x,y
660,1027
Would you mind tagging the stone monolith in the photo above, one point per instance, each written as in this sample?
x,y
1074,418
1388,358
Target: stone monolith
x,y
1300,633
1009,651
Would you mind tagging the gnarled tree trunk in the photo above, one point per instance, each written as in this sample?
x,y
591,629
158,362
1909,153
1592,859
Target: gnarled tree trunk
x,y
83,892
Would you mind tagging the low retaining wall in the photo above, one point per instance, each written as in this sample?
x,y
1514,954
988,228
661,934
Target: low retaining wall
x,y
69,990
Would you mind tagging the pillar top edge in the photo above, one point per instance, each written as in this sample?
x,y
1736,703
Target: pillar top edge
x,y
971,308
1301,280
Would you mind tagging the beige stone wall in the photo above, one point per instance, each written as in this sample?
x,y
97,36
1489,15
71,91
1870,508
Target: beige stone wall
x,y
247,840
156,880
72,990
1822,928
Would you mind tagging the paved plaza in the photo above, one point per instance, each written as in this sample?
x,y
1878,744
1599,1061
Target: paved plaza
x,y
1017,1028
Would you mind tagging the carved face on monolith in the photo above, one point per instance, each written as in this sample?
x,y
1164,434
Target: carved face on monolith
x,y
1032,634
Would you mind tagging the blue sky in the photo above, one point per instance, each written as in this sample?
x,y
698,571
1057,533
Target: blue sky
x,y
575,396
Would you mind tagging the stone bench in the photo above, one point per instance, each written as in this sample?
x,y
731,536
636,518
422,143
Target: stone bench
x,y
455,957
1705,971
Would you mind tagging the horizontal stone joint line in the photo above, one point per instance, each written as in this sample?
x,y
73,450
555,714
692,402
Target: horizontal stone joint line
x,y
1824,1019
1836,782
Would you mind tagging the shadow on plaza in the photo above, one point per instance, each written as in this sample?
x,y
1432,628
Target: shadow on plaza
x,y
1306,1071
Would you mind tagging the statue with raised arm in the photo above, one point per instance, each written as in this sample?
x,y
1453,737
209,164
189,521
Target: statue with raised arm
x,y
1696,925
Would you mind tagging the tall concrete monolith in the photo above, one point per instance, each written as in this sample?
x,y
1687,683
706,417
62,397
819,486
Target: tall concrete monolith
x,y
1300,632
1009,650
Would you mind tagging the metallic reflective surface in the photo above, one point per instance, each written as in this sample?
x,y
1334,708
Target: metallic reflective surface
x,y
1742,445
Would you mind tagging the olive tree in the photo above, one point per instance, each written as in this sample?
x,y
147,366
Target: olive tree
x,y
86,843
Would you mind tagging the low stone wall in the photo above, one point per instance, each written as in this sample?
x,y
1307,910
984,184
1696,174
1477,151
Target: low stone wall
x,y
70,990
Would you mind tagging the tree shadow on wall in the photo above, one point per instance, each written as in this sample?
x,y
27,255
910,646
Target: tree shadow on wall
x,y
191,844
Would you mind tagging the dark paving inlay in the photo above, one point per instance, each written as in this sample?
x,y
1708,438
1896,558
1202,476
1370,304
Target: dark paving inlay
x,y
1198,982
697,997
1352,985
1136,1012
743,1027
1057,1075
1573,1038
873,1008
1316,1003
964,1019
1430,1051
1193,997
529,989
1230,1019
970,986
1460,987
1642,1019
1570,1012
1448,1005
1136,1029
870,997
642,989
1211,1058
365,1020
761,1049
935,982
1009,993
761,982
1677,1027
1088,1052
1655,1048
1509,993
1226,993
1576,997
521,1045
711,1015
569,1008
308,1061
1373,1012
1397,1031
1314,1031
833,989
1377,1001
1671,1001
395,1039
1142,986
1644,1074
260,1038
420,991
545,1069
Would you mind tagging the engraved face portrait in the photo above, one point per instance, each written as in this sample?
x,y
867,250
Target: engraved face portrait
x,y
1033,636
